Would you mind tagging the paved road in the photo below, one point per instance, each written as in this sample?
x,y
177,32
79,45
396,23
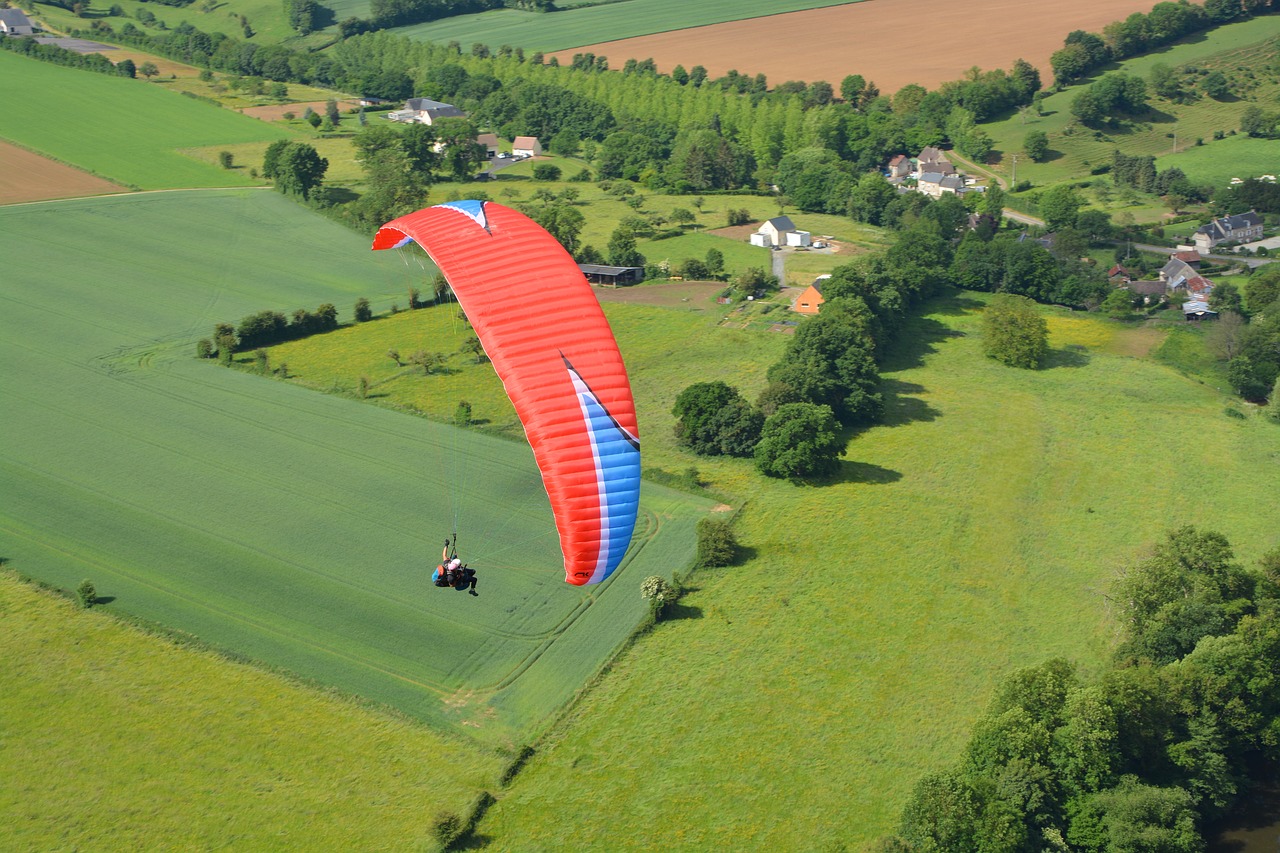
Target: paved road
x,y
780,265
1248,260
1024,218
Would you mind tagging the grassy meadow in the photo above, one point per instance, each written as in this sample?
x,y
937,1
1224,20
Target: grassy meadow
x,y
975,531
121,129
294,528
575,27
1243,51
230,756
266,17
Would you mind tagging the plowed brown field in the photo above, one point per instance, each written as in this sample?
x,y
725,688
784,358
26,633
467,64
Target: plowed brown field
x,y
893,42
25,176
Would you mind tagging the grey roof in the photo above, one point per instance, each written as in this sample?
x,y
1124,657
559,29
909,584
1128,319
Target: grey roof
x,y
601,269
436,108
1197,307
1175,268
1147,288
1235,222
953,182
781,223
931,177
14,18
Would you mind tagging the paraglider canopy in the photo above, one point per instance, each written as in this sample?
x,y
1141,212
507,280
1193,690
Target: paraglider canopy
x,y
542,327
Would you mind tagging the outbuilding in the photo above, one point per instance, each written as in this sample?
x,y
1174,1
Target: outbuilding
x,y
14,22
526,146
811,300
612,276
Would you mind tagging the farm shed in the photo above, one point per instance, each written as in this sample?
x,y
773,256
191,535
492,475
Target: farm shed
x,y
490,143
1198,311
612,276
425,111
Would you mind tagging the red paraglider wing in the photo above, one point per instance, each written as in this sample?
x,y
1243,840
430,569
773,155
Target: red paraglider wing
x,y
542,327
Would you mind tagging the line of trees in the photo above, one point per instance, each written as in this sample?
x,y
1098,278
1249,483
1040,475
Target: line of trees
x,y
1174,734
827,380
1247,335
266,328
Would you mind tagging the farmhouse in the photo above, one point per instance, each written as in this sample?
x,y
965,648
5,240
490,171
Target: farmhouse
x,y
526,146
425,111
811,300
774,232
14,23
900,166
1239,228
934,160
612,276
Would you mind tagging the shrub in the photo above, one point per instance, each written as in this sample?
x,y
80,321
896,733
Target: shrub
x,y
740,216
546,172
363,387
717,545
362,311
657,592
204,348
1013,332
261,361
462,414
87,594
226,159
446,827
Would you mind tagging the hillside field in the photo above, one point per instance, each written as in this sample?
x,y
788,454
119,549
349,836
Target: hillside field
x,y
291,527
976,531
123,130
1242,49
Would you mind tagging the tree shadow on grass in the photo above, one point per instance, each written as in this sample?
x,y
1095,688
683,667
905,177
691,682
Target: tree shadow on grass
x,y
1072,355
671,612
864,472
900,409
920,334
103,599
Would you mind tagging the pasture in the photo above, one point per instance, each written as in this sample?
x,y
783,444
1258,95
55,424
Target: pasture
x,y
123,130
1243,49
119,739
975,531
573,27
294,528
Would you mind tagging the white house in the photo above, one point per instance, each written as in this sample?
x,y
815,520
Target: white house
x,y
798,238
774,232
526,146
425,111
13,22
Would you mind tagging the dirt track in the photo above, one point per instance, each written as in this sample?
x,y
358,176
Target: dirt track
x,y
25,176
893,42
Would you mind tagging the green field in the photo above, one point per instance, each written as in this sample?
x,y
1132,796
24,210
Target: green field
x,y
266,17
121,129
295,528
974,532
117,740
1242,50
584,26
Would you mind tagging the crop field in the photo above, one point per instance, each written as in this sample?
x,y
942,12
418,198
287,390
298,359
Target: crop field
x,y
123,130
26,176
1246,48
116,739
588,25
881,40
976,531
295,528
